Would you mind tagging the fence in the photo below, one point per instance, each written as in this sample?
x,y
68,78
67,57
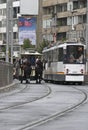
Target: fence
x,y
6,73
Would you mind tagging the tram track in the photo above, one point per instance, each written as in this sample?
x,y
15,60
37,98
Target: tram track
x,y
52,116
28,101
6,90
57,114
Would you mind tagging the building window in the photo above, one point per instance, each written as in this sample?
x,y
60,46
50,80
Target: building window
x,y
75,5
0,24
0,11
82,3
14,35
4,12
15,22
3,1
61,36
16,10
62,7
62,22
4,23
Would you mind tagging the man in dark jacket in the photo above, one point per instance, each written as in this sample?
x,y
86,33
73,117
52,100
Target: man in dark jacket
x,y
38,70
27,71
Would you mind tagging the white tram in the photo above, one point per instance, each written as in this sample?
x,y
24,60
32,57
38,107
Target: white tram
x,y
65,62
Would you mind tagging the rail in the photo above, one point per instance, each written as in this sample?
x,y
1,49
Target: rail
x,y
6,73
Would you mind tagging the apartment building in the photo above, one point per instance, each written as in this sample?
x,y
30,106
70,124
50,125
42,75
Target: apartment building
x,y
16,11
57,20
16,14
64,19
3,18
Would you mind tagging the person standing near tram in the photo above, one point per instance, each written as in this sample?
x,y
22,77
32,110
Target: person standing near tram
x,y
26,71
38,70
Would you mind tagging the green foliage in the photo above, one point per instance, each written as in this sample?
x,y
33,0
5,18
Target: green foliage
x,y
27,44
44,44
4,49
64,39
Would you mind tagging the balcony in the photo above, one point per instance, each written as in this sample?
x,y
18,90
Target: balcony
x,y
53,2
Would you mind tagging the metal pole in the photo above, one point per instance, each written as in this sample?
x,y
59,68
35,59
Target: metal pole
x,y
55,24
7,35
87,37
54,18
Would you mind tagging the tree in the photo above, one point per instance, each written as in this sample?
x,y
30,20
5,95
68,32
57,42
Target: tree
x,y
3,48
44,44
27,44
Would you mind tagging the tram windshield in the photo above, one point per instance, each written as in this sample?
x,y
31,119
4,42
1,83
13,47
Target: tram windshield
x,y
74,54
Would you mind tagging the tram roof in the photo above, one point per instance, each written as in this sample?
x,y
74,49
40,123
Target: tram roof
x,y
59,45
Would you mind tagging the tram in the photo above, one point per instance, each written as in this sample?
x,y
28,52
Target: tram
x,y
65,62
31,56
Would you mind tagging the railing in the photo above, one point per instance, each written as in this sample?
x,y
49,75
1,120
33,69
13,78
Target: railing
x,y
6,74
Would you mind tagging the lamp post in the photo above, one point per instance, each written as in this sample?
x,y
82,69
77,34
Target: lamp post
x,y
9,30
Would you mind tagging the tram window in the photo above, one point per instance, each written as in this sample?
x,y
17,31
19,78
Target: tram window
x,y
60,54
50,56
55,55
45,56
75,54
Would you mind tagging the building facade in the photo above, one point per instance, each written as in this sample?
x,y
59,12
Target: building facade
x,y
64,19
57,20
16,11
16,14
3,24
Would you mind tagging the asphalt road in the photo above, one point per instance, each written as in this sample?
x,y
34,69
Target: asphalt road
x,y
39,106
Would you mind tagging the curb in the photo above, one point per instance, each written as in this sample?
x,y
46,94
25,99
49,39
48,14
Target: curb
x,y
8,86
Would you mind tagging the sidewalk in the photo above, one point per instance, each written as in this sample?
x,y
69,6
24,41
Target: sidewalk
x,y
10,85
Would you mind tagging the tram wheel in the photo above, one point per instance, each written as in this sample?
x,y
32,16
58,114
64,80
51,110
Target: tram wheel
x,y
46,81
21,81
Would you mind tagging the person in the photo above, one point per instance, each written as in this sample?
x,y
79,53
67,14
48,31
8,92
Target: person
x,y
38,70
80,55
71,58
21,62
26,71
16,69
80,59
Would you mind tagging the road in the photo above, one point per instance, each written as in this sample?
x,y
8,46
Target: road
x,y
44,106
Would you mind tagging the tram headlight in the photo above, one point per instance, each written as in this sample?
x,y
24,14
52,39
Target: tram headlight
x,y
81,71
67,71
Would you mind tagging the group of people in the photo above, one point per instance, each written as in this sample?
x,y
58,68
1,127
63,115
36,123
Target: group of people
x,y
23,69
79,59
